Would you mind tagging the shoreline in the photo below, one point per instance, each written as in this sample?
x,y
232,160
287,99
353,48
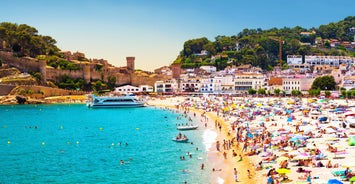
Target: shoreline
x,y
223,173
269,124
211,134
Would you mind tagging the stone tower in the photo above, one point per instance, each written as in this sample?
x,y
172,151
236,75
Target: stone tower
x,y
176,68
43,70
87,73
130,64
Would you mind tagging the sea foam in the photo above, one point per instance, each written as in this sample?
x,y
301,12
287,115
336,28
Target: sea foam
x,y
209,137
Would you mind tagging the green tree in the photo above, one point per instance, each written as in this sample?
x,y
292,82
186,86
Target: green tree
x,y
343,93
349,93
324,83
314,92
327,94
36,75
111,82
194,46
277,91
98,85
296,93
261,91
252,91
283,92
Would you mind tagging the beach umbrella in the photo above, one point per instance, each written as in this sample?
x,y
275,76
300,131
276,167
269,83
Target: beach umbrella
x,y
298,137
311,146
281,159
348,164
294,152
301,157
334,181
283,171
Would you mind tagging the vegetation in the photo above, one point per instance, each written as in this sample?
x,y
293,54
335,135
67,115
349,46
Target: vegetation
x,y
261,47
72,84
24,40
261,91
36,75
296,93
277,91
111,82
324,83
314,92
252,91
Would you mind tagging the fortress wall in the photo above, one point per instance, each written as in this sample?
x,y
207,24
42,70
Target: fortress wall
x,y
146,80
5,89
23,64
48,91
56,75
8,71
87,71
122,79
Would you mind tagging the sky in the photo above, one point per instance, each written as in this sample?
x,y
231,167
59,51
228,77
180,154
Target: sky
x,y
154,31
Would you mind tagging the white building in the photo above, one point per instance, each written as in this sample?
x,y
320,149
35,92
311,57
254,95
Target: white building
x,y
146,88
168,86
348,82
296,83
294,59
329,60
209,69
210,85
227,83
245,81
190,85
127,89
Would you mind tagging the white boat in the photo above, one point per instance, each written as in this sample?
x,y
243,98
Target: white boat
x,y
128,100
187,127
180,139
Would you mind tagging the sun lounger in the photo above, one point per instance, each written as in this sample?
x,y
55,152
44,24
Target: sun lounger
x,y
339,172
321,156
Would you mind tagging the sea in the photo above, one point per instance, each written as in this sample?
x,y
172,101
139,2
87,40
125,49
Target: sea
x,y
70,143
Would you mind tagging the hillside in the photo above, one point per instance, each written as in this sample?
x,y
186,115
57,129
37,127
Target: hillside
x,y
261,47
41,61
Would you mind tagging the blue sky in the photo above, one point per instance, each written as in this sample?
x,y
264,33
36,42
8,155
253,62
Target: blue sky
x,y
154,31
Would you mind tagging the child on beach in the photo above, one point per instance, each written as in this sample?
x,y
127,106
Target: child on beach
x,y
235,175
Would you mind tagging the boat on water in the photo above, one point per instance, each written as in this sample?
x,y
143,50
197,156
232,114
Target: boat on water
x,y
180,138
187,127
128,100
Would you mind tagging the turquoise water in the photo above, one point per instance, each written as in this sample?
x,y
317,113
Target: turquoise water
x,y
74,144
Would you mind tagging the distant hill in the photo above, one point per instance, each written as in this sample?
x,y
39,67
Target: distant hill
x,y
261,47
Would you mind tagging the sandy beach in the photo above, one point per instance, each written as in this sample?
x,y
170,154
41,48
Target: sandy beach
x,y
223,167
288,122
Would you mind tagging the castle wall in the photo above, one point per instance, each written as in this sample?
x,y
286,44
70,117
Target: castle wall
x,y
5,89
48,91
87,71
8,71
147,80
23,64
56,75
